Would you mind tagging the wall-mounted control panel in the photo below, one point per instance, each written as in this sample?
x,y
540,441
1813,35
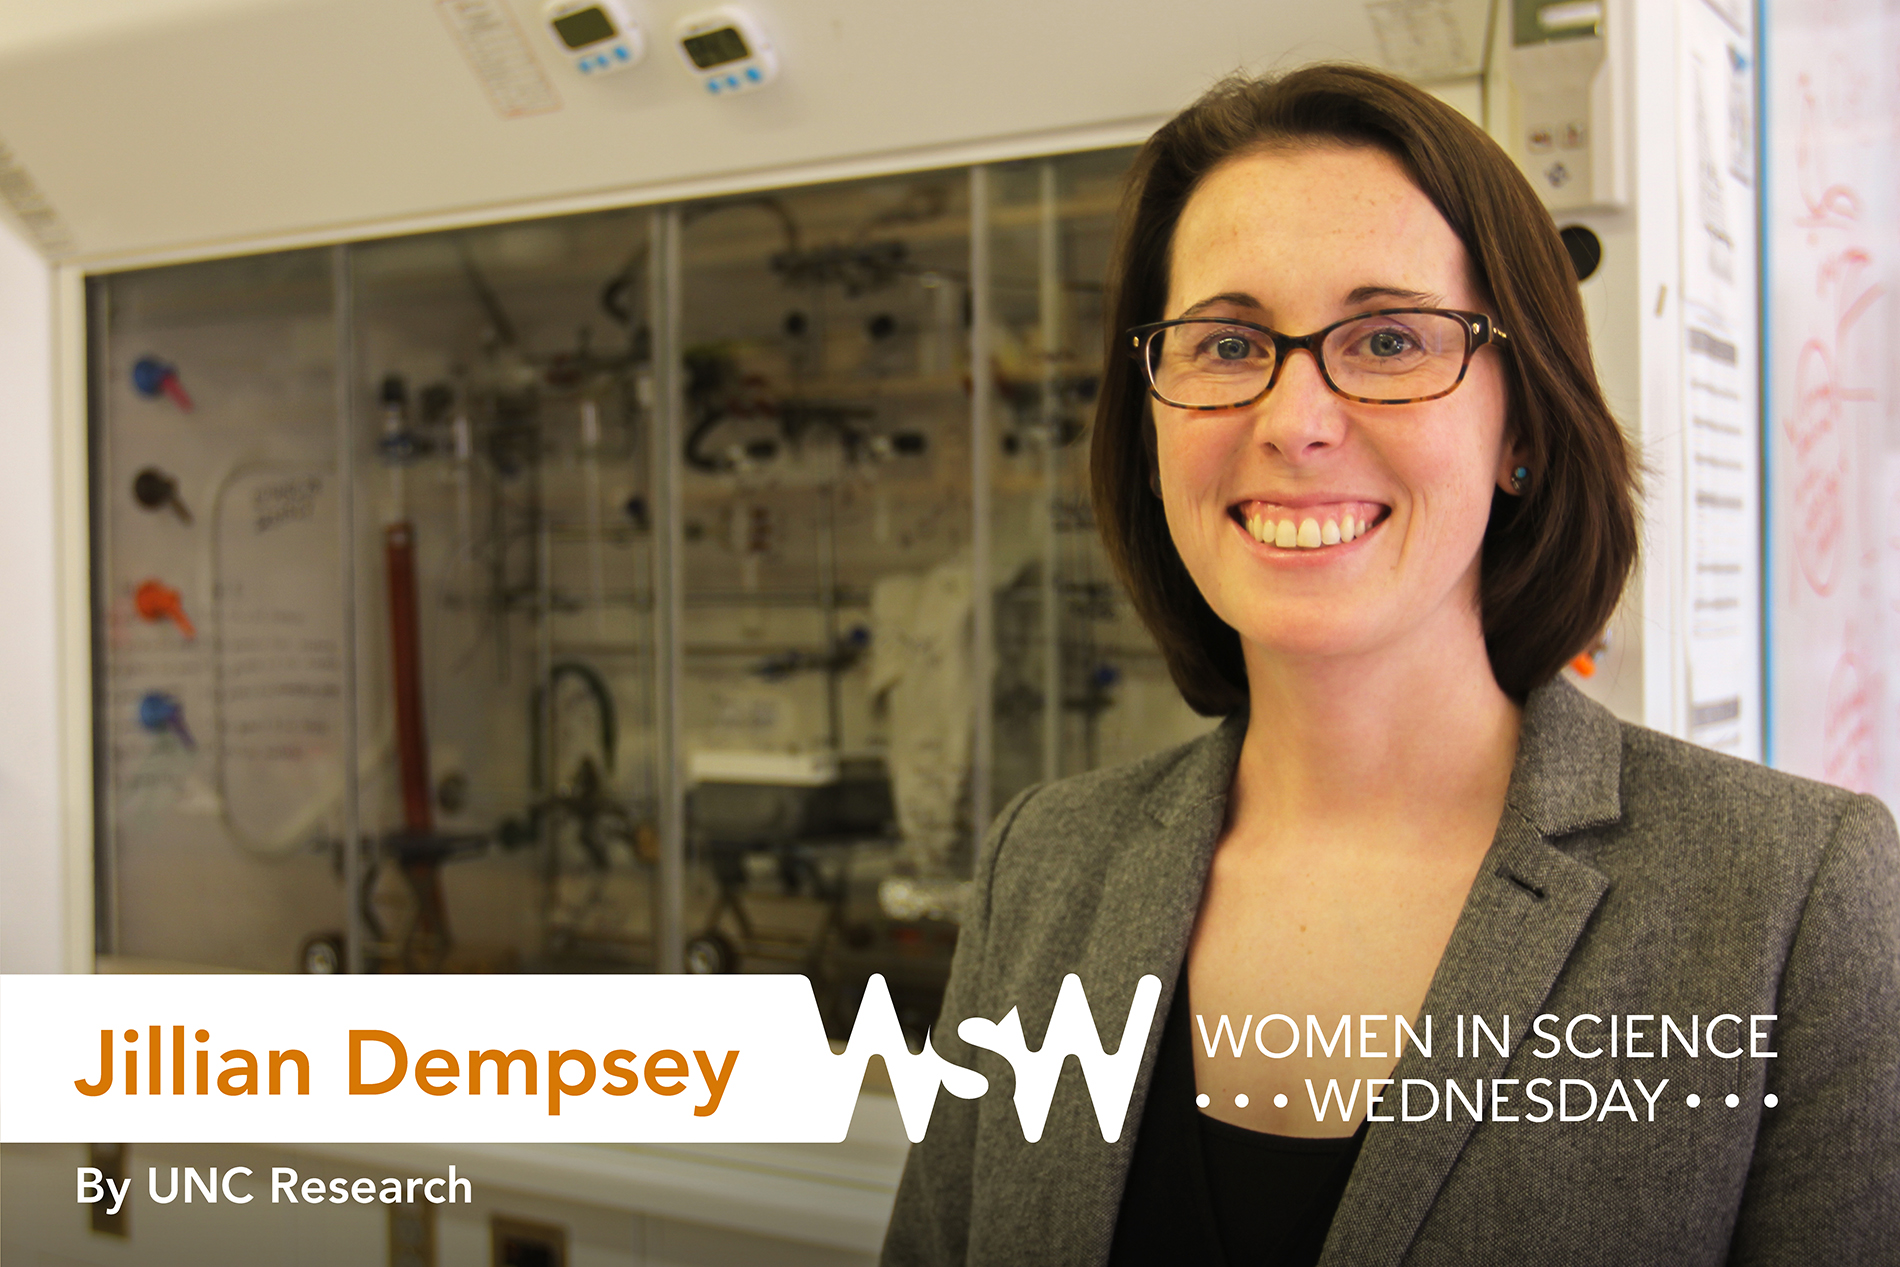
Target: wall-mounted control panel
x,y
1565,134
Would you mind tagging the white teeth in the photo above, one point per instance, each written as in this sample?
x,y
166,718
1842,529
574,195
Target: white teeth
x,y
1305,534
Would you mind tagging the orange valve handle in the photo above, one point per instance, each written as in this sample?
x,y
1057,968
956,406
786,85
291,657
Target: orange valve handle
x,y
157,601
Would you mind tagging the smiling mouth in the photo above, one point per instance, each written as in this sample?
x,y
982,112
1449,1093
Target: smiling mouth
x,y
1308,527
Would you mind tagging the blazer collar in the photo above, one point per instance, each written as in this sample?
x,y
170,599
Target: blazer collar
x,y
1201,779
1569,769
1526,909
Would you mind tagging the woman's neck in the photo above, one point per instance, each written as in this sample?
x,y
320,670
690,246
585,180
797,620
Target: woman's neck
x,y
1420,734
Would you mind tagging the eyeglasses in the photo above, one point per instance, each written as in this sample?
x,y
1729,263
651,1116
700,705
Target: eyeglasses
x,y
1395,356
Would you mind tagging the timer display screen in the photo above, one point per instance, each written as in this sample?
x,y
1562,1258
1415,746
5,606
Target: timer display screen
x,y
589,26
716,48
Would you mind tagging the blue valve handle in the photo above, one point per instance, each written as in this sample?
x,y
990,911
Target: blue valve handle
x,y
149,375
153,378
160,713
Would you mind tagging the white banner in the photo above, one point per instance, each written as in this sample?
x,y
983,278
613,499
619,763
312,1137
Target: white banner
x,y
220,1059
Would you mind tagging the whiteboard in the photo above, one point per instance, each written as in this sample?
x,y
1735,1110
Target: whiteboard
x,y
1832,156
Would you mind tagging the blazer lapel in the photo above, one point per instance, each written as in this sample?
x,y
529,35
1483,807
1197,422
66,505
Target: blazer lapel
x,y
1154,889
1527,907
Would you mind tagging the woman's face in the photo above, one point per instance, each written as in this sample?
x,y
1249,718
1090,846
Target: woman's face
x,y
1296,240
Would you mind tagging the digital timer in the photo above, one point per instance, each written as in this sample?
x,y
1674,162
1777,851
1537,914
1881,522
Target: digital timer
x,y
726,49
597,35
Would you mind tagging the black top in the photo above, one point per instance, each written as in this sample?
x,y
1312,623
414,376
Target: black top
x,y
1205,1191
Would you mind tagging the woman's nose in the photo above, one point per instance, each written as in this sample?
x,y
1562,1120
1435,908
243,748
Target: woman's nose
x,y
1301,416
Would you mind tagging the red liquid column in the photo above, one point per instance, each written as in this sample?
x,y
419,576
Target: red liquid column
x,y
412,745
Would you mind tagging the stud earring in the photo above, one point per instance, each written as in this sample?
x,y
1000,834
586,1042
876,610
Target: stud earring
x,y
1518,477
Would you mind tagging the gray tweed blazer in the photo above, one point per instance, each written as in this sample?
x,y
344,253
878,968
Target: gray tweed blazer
x,y
1631,873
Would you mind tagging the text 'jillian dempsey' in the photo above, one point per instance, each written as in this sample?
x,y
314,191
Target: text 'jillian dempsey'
x,y
285,1188
438,1072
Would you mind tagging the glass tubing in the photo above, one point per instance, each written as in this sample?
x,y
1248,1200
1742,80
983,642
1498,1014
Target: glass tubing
x,y
664,312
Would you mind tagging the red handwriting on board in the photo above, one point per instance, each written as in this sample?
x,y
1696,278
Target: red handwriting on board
x,y
1816,428
1825,205
1847,727
1814,434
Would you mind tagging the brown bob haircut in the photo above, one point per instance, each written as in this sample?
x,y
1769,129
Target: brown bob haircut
x,y
1554,559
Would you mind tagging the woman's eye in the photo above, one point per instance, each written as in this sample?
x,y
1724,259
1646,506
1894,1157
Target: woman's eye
x,y
1388,343
1228,346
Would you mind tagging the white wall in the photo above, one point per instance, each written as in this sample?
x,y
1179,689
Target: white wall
x,y
32,883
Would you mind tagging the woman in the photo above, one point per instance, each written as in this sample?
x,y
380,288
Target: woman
x,y
1357,474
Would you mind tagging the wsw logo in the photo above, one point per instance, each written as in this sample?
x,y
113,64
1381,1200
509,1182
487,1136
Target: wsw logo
x,y
916,1077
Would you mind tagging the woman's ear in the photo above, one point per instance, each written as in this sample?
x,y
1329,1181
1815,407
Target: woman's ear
x,y
1514,474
